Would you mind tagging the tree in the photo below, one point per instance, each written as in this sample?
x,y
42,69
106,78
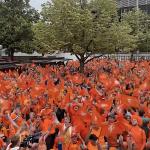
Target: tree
x,y
42,38
81,27
139,21
16,21
121,39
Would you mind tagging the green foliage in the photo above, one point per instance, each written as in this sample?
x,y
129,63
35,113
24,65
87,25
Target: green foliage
x,y
75,26
121,38
16,18
140,24
82,27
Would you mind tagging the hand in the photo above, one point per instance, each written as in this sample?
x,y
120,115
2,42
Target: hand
x,y
68,125
78,134
34,145
50,127
91,127
97,142
85,147
42,139
121,139
7,116
9,146
129,143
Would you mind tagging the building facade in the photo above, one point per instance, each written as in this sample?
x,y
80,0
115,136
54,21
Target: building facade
x,y
126,5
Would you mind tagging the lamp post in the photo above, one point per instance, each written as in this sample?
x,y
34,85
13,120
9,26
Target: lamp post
x,y
137,5
1,47
147,29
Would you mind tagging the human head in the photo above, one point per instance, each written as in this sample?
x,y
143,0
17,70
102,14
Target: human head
x,y
134,122
128,117
15,141
111,118
93,139
32,115
17,109
74,138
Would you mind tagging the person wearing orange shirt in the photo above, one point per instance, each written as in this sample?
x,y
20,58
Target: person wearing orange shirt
x,y
138,135
93,143
97,130
148,144
31,120
15,120
16,115
115,128
74,143
2,144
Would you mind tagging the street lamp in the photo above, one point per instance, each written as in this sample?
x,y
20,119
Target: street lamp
x,y
137,5
147,29
1,47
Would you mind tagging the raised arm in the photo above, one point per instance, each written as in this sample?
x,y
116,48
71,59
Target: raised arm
x,y
12,122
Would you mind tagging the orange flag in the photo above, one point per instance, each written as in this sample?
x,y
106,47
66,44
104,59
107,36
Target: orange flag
x,y
128,101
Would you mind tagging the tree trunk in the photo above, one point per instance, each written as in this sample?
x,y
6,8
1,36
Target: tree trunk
x,y
81,60
132,56
11,54
81,69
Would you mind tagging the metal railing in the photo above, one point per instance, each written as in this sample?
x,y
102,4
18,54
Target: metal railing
x,y
123,57
131,3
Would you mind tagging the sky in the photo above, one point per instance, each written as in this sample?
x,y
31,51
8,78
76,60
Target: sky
x,y
37,3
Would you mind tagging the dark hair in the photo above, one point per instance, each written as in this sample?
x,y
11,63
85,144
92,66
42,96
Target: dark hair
x,y
60,114
141,113
50,140
57,81
93,137
102,111
111,116
18,106
14,141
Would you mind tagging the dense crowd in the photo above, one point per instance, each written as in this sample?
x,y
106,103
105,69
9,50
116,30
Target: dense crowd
x,y
55,107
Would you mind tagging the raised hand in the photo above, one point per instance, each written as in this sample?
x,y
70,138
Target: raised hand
x,y
9,147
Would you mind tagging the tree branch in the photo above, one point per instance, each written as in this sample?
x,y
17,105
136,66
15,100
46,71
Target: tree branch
x,y
89,44
88,55
91,41
94,58
77,56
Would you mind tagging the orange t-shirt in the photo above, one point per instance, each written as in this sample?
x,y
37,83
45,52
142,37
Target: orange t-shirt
x,y
72,146
139,137
1,143
4,131
91,147
98,134
46,124
12,131
138,118
17,119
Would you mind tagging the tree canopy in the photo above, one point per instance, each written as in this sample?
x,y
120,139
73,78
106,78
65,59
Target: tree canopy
x,y
139,21
83,28
16,20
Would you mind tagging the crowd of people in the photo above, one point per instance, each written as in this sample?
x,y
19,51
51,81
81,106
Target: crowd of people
x,y
56,107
